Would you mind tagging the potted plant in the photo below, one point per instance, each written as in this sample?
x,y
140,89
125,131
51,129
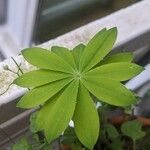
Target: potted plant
x,y
81,85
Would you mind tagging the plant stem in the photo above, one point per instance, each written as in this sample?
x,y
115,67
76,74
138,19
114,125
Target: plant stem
x,y
17,65
134,146
6,89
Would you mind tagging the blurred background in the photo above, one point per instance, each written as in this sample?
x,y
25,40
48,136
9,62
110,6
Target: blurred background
x,y
24,23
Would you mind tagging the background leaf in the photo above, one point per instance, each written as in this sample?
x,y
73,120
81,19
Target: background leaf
x,y
97,48
86,119
133,129
116,144
21,145
45,59
33,126
111,131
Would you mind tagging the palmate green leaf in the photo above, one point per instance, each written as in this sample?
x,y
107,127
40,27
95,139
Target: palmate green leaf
x,y
45,59
59,112
86,119
109,91
120,71
118,57
97,48
41,94
65,54
77,53
133,129
39,77
55,85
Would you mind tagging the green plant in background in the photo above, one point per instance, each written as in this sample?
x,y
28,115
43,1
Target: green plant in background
x,y
133,129
66,79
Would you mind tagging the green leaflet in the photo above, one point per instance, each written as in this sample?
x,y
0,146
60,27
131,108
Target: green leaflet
x,y
118,57
120,71
41,94
77,53
65,54
60,112
86,119
44,111
45,59
39,77
109,91
97,48
133,130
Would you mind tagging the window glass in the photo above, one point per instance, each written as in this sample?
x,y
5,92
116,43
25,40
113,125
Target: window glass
x,y
56,17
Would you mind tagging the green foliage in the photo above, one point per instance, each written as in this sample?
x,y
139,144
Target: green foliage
x,y
118,57
22,145
116,144
114,136
33,125
70,138
111,131
65,79
86,107
133,130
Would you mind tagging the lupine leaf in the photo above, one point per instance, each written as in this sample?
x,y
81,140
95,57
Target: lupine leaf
x,y
109,91
60,112
57,93
65,54
116,71
41,94
77,53
132,129
86,119
45,59
97,48
39,77
118,57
